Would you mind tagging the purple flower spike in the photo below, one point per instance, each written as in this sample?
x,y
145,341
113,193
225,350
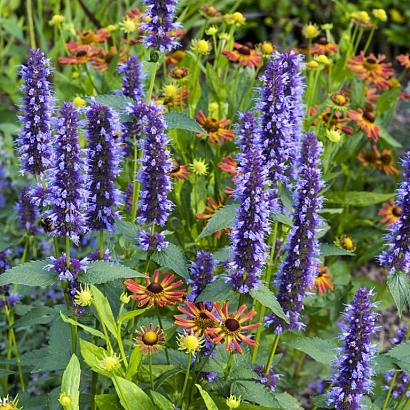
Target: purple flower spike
x,y
397,256
154,206
152,242
161,22
33,142
298,269
201,273
132,78
67,194
269,380
27,213
251,224
103,157
282,113
352,377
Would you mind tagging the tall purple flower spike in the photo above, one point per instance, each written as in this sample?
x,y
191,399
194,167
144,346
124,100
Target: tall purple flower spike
x,y
397,256
352,377
298,269
27,213
33,142
67,179
132,78
161,22
282,113
103,156
251,223
201,273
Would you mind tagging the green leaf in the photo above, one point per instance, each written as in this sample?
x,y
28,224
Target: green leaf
x,y
266,298
386,136
161,402
103,271
221,219
216,291
135,361
30,274
130,315
38,316
210,404
401,355
88,329
131,396
254,392
93,355
172,257
399,286
323,351
222,254
104,311
327,249
70,383
6,372
180,121
358,198
287,402
107,402
282,218
128,229
12,27
118,103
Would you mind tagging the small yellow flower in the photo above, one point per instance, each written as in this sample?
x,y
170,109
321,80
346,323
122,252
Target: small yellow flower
x,y
110,363
312,65
111,28
361,16
346,242
236,18
79,102
310,30
128,25
233,402
327,26
333,135
211,31
267,48
65,400
201,46
124,298
396,16
190,342
380,14
170,90
322,59
56,20
199,167
213,108
84,296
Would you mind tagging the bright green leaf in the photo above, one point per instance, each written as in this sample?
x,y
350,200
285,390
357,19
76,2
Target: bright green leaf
x,y
180,121
70,383
266,298
103,271
172,257
30,274
88,329
161,402
93,355
131,314
104,311
107,402
135,361
131,396
287,402
358,198
210,404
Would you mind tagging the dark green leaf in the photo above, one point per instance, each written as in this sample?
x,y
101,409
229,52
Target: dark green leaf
x,y
180,121
161,402
172,257
254,392
12,27
29,274
401,355
399,286
222,254
266,298
5,372
358,198
88,329
128,229
38,316
107,402
287,402
103,271
327,249
282,218
222,218
215,291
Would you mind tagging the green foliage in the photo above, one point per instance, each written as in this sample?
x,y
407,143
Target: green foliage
x,y
266,298
29,274
399,286
172,257
131,396
357,198
209,403
70,383
99,272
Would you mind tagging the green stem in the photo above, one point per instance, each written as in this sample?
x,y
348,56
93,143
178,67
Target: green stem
x,y
67,251
101,239
272,353
369,40
29,8
151,378
188,367
228,366
25,251
151,83
94,378
56,247
162,327
134,182
386,401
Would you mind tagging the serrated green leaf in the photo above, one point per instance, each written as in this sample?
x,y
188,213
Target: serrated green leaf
x,y
218,290
287,402
29,274
99,272
323,351
131,396
254,392
118,103
128,229
88,329
266,298
161,402
401,355
399,286
282,218
209,403
221,219
70,383
172,257
327,249
358,198
39,315
180,121
222,254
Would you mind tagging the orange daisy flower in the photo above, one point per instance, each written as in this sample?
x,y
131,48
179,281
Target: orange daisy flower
x,y
155,292
179,73
80,53
229,165
404,60
385,163
244,55
365,121
324,47
390,212
340,100
211,207
230,329
216,129
179,171
179,100
369,158
331,120
322,281
89,37
150,340
372,69
196,318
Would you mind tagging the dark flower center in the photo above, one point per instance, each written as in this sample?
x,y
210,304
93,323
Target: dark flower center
x,y
203,315
323,41
245,51
396,211
368,116
211,125
232,324
385,159
155,288
81,53
371,61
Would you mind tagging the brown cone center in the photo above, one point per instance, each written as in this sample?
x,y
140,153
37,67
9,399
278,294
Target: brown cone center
x,y
155,288
232,324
